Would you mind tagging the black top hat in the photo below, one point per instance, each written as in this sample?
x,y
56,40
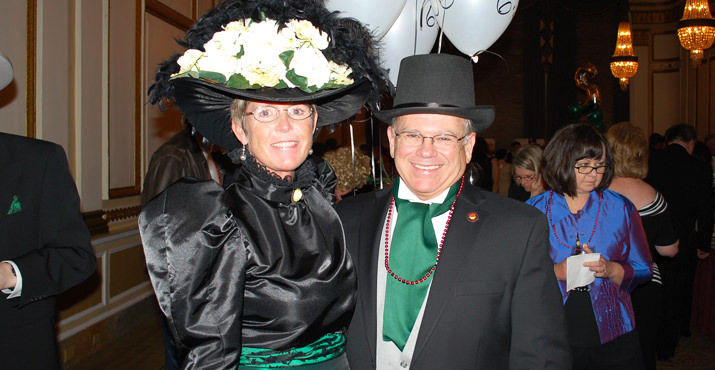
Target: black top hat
x,y
439,84
205,97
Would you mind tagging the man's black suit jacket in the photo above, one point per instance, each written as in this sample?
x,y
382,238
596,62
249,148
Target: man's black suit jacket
x,y
686,185
494,301
42,231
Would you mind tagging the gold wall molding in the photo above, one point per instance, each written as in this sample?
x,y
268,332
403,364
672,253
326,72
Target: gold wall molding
x,y
31,69
169,15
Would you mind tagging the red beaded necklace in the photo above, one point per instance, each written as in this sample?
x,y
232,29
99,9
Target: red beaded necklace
x,y
439,248
578,242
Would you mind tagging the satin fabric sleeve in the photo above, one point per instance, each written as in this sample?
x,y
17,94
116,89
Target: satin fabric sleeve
x,y
196,258
638,267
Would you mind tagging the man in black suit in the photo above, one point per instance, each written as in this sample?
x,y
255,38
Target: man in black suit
x,y
449,276
686,183
45,248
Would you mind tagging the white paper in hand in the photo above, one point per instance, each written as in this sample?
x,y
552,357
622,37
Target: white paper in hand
x,y
576,273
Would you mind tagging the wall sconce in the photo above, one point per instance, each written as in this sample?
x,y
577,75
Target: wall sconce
x,y
696,30
624,63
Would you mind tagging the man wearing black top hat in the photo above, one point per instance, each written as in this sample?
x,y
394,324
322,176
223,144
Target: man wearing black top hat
x,y
449,276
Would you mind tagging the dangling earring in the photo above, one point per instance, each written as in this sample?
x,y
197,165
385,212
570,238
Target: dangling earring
x,y
310,151
242,153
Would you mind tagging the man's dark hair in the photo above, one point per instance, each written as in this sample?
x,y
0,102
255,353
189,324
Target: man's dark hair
x,y
569,145
681,132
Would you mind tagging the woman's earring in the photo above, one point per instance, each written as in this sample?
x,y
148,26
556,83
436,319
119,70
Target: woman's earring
x,y
310,151
242,154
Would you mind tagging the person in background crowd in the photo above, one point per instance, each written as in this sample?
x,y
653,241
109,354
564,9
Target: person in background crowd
x,y
686,184
492,301
585,217
254,273
505,172
513,148
657,142
704,286
527,169
629,146
485,167
45,249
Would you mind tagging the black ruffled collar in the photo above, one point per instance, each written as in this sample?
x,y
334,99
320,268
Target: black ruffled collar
x,y
256,178
303,176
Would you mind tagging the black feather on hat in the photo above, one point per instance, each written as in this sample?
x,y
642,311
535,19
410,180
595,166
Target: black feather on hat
x,y
206,104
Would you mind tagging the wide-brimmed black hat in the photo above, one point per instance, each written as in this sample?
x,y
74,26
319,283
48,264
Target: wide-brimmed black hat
x,y
205,96
440,84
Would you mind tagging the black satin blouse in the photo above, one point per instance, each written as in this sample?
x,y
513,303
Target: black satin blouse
x,y
248,266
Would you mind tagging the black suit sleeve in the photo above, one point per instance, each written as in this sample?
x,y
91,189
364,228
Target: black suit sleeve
x,y
538,338
64,256
704,211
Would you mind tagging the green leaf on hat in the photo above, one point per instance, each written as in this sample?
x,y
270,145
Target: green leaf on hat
x,y
286,57
237,81
194,74
281,85
212,76
297,79
240,52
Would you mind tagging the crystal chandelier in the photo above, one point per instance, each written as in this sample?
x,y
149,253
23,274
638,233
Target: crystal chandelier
x,y
624,63
696,30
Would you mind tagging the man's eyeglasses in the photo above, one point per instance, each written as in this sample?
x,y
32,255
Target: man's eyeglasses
x,y
415,138
269,113
585,170
518,178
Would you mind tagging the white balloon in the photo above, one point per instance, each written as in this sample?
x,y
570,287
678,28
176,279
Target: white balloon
x,y
409,35
474,25
377,15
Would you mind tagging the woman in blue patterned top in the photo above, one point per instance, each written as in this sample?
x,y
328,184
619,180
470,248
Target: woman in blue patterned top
x,y
585,217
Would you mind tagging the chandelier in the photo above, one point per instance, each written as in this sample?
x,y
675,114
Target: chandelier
x,y
624,63
696,30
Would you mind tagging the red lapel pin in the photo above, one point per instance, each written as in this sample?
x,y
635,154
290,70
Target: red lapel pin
x,y
472,217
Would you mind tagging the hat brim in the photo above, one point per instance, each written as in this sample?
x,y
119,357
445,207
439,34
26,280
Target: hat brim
x,y
207,104
482,116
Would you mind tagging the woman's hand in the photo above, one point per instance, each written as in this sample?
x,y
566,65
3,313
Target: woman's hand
x,y
604,268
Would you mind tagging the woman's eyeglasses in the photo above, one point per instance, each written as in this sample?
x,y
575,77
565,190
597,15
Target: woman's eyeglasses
x,y
524,178
269,113
585,170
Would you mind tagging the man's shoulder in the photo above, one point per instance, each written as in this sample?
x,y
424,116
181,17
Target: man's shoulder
x,y
24,143
499,204
362,200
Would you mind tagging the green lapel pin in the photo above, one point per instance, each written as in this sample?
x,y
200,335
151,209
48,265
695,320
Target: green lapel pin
x,y
15,206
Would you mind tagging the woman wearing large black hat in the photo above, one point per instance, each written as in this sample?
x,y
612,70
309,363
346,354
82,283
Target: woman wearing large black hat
x,y
254,273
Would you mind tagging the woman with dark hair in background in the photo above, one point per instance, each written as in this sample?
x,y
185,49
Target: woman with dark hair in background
x,y
585,217
630,163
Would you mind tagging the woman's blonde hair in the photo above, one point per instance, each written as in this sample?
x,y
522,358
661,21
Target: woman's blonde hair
x,y
629,146
238,112
529,157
